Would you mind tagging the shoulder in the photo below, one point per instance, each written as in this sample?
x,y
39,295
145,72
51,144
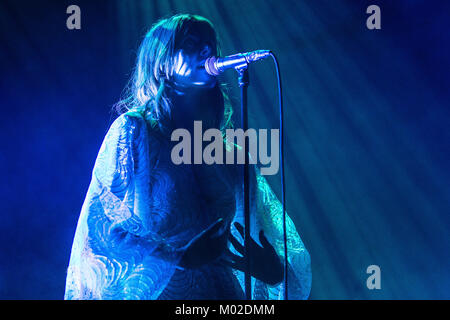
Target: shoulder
x,y
129,121
128,125
133,130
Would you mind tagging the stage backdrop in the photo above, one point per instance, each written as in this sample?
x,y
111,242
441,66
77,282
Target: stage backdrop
x,y
367,139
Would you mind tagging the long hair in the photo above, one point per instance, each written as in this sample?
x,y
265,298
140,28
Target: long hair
x,y
147,90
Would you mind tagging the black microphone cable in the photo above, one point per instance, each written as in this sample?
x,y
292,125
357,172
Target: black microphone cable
x,y
283,189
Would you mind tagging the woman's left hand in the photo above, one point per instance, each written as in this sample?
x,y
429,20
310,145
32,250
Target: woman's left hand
x,y
264,263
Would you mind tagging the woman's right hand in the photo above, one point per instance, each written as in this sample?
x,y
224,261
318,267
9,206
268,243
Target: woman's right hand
x,y
205,247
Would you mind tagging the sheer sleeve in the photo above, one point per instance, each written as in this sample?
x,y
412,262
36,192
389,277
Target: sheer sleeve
x,y
118,251
266,214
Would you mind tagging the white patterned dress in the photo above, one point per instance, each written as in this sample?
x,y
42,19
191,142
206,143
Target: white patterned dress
x,y
140,208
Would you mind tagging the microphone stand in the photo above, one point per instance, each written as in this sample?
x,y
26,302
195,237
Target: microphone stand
x,y
243,82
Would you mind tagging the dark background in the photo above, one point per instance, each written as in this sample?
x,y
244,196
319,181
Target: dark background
x,y
367,139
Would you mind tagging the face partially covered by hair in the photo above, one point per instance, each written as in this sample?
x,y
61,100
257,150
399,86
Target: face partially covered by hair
x,y
193,46
172,56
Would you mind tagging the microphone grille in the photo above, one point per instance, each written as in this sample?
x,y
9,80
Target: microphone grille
x,y
210,66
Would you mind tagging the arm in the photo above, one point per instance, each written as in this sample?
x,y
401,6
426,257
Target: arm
x,y
269,217
122,178
266,215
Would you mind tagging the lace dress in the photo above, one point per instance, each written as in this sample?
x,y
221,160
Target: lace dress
x,y
140,208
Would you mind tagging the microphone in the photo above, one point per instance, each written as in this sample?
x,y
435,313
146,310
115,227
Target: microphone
x,y
216,65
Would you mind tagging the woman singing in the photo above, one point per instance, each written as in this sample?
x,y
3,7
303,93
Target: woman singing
x,y
151,229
